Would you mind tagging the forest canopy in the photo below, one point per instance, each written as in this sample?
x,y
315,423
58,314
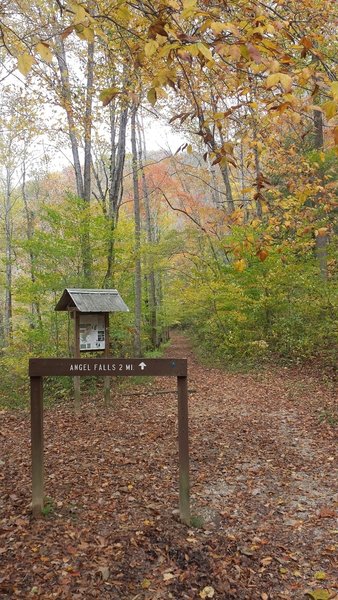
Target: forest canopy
x,y
233,235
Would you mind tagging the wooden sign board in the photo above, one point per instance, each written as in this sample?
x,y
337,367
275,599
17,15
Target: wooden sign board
x,y
43,367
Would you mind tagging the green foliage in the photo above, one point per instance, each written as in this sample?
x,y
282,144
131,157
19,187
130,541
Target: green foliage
x,y
197,522
278,307
38,329
49,507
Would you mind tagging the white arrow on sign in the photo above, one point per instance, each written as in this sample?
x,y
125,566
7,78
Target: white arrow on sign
x,y
142,365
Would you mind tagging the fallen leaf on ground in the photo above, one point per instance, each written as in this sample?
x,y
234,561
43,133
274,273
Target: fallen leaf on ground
x,y
207,592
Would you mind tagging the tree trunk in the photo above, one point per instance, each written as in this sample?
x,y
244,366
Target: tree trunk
x,y
228,191
230,205
67,105
83,180
259,210
117,159
137,244
245,199
36,313
215,195
2,329
8,331
152,304
321,240
87,188
318,129
321,251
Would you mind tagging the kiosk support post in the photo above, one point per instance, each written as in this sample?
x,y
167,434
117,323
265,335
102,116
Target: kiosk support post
x,y
36,386
77,354
107,381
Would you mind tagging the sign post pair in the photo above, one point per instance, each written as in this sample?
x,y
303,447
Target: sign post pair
x,y
43,367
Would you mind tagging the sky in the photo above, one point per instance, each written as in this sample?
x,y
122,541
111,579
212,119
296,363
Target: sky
x,y
160,136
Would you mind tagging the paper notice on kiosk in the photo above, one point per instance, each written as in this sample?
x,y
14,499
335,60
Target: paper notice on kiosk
x,y
92,333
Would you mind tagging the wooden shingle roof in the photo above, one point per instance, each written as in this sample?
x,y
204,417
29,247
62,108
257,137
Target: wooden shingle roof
x,y
92,301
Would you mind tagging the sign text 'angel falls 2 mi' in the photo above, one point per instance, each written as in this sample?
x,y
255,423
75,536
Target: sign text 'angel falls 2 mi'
x,y
41,367
111,367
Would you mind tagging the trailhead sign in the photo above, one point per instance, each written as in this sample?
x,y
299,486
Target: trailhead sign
x,y
42,367
98,367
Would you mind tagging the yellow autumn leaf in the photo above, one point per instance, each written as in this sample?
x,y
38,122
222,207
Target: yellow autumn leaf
x,y
286,82
192,49
152,96
80,14
272,80
123,14
334,89
150,48
330,109
168,576
217,27
318,594
146,583
274,66
189,4
25,63
207,592
320,575
204,50
240,265
107,95
85,33
43,49
266,561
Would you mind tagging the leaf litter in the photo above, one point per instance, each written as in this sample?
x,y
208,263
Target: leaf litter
x,y
263,494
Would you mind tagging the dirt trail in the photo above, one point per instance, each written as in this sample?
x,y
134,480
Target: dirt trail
x,y
264,494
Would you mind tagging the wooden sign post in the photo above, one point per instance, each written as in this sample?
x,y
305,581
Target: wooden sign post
x,y
107,367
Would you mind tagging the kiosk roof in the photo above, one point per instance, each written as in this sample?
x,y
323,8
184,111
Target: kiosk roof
x,y
91,301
